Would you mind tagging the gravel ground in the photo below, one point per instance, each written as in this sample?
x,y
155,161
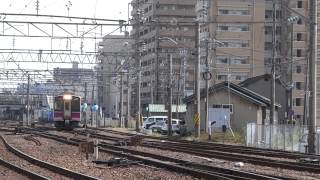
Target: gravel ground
x,y
7,174
266,157
231,165
69,157
224,163
7,155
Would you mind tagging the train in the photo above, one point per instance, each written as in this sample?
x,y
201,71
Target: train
x,y
67,111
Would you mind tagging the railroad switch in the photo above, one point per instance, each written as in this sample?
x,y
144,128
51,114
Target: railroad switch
x,y
116,162
17,130
309,161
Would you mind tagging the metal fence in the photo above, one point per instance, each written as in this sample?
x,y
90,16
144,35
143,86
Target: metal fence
x,y
281,136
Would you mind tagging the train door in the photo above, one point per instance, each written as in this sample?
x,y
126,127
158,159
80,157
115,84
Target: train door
x,y
67,110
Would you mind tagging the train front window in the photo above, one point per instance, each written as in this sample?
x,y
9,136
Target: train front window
x,y
58,104
75,104
66,105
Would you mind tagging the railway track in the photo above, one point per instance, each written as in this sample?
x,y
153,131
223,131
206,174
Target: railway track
x,y
22,171
47,169
194,169
223,147
205,150
232,155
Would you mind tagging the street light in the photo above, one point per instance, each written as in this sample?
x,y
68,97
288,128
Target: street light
x,y
170,86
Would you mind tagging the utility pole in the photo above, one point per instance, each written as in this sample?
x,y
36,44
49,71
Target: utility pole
x,y
312,76
207,76
28,101
85,92
207,87
197,79
85,101
121,99
290,112
170,97
92,105
138,58
128,101
273,63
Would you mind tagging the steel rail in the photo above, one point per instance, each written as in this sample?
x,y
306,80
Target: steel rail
x,y
52,167
224,147
197,170
158,163
222,154
22,171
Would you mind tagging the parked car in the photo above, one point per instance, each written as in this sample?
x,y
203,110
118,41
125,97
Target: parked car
x,y
152,120
157,126
175,126
144,119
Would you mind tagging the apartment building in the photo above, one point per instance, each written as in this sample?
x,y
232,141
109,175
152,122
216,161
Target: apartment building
x,y
235,31
162,28
244,28
292,46
113,74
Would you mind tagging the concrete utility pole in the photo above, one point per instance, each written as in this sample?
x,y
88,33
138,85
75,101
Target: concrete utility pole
x,y
138,56
312,76
290,114
128,101
208,9
197,79
92,96
85,92
170,97
273,63
28,101
206,78
121,100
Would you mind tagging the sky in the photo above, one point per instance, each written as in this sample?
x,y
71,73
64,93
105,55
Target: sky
x,y
105,9
108,9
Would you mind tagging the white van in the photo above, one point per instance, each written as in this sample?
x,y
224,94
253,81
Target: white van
x,y
175,126
152,120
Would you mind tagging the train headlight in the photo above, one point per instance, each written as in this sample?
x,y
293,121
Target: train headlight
x,y
67,97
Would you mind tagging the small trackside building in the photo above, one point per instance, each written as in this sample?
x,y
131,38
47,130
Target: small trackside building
x,y
245,106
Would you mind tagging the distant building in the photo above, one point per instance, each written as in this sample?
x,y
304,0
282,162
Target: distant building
x,y
115,63
234,103
81,81
155,21
235,47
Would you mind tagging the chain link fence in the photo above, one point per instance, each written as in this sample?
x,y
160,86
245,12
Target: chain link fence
x,y
281,137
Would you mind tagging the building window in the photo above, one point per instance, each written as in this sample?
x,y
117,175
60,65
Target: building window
x,y
299,37
298,69
222,77
298,102
233,27
232,60
224,106
234,11
235,44
299,85
299,53
299,4
222,60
